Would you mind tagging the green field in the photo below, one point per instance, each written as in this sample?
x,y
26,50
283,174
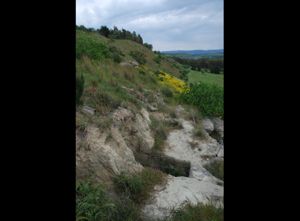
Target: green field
x,y
197,76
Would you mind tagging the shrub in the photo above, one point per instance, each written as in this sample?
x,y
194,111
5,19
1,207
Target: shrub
x,y
167,92
199,131
142,72
184,74
115,54
208,98
94,204
81,122
139,57
102,101
91,47
157,58
116,58
160,133
79,88
138,187
199,212
216,168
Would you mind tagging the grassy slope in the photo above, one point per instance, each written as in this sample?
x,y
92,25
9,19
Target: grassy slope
x,y
126,46
197,76
107,74
103,90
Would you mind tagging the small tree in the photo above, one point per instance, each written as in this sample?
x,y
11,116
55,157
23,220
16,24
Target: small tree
x,y
104,31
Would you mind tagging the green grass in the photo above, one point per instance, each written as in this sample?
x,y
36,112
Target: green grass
x,y
98,62
208,98
207,78
94,204
199,212
160,131
216,168
138,187
91,46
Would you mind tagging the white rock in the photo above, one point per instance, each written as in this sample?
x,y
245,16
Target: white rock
x,y
178,191
88,110
219,126
121,115
207,125
106,157
142,126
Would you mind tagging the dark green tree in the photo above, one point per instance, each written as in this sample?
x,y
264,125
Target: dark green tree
x,y
104,31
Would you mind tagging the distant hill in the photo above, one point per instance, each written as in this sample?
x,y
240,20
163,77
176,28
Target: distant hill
x,y
218,53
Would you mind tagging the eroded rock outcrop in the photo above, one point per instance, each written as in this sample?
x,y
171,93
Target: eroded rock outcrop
x,y
104,154
200,186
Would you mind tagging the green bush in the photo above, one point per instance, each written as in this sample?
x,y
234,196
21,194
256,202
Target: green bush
x,y
138,56
116,58
160,133
79,88
138,187
199,212
208,98
91,47
158,59
167,92
184,74
94,204
115,54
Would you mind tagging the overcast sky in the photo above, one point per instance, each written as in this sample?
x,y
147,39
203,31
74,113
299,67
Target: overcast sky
x,y
166,24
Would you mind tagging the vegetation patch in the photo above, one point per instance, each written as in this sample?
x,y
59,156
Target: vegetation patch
x,y
199,131
94,204
195,77
159,130
79,88
138,187
166,92
90,46
216,168
173,82
208,98
139,57
199,212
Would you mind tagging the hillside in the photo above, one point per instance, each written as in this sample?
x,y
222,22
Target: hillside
x,y
146,140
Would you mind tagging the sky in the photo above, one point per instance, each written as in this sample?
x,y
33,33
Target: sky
x,y
166,24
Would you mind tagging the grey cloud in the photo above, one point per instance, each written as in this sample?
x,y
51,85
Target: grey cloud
x,y
167,24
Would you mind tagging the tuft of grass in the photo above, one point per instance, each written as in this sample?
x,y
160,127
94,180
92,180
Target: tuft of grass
x,y
138,56
199,212
159,130
79,88
138,187
216,168
199,131
94,204
102,101
81,122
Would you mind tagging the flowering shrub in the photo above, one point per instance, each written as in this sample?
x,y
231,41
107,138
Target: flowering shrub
x,y
173,82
